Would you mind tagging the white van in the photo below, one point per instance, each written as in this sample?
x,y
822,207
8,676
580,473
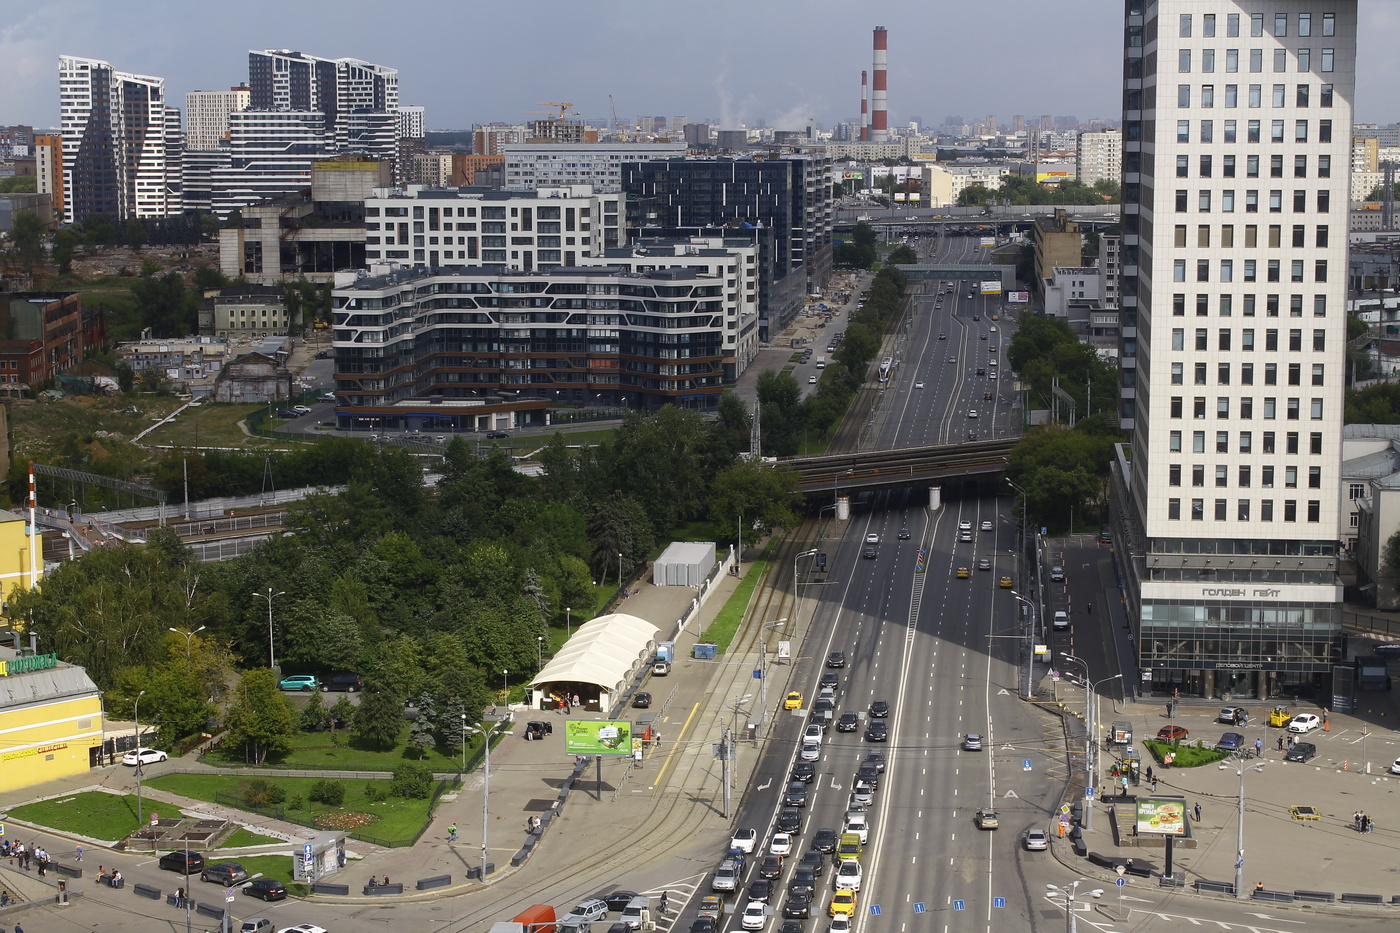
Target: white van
x,y
1061,620
637,913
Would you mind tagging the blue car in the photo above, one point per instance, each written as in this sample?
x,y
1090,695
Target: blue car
x,y
303,682
1230,741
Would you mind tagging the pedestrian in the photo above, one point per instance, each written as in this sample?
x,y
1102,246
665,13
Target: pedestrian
x,y
179,897
1291,741
1324,719
1365,822
80,853
1198,812
658,741
665,901
576,701
1154,785
18,928
1280,742
1356,820
452,833
1259,887
1258,748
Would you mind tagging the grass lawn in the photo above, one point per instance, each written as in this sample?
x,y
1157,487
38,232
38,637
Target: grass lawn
x,y
100,816
337,752
721,630
213,425
1186,756
244,837
399,820
268,866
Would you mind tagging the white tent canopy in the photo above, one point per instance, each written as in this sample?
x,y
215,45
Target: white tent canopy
x,y
597,662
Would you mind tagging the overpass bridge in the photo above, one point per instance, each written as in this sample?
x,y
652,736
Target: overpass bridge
x,y
974,463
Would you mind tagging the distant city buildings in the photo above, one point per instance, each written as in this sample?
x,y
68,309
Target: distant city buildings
x,y
599,165
1100,156
207,115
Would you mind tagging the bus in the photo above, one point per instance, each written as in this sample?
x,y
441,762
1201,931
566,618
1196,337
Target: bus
x,y
885,366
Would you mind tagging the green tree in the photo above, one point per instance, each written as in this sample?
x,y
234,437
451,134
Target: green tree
x,y
207,278
135,234
902,254
19,184
379,717
259,717
862,234
314,714
757,493
65,243
26,242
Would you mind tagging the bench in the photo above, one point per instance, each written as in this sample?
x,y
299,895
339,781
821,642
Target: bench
x,y
1141,869
1215,887
146,890
1103,861
214,911
1363,899
71,871
376,890
1280,897
436,881
1173,882
321,887
1317,897
474,871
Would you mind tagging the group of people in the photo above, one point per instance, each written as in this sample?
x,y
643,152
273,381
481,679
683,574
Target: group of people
x,y
373,882
20,854
1362,822
114,880
567,704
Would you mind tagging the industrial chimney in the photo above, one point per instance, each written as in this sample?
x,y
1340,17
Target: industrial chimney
x,y
880,105
864,109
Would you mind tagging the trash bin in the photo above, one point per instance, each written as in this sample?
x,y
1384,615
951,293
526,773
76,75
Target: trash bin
x,y
751,732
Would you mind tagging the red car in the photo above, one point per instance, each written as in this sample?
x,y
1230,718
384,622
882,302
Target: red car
x,y
1172,734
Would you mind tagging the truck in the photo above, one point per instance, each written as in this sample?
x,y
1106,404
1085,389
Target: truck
x,y
537,918
1371,673
821,362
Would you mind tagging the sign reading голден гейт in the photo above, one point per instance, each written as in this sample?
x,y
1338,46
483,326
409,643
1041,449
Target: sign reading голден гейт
x,y
38,662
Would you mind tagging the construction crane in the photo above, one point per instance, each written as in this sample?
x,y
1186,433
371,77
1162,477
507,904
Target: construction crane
x,y
613,105
563,105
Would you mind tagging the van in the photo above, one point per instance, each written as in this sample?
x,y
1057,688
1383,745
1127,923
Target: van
x,y
1061,620
1057,574
848,848
637,913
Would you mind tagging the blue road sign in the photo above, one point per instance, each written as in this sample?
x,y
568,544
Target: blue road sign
x,y
758,674
1088,792
1120,881
959,905
998,902
1025,764
306,852
874,910
919,907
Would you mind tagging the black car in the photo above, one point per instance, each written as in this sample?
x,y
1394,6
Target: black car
x,y
849,722
877,731
904,534
771,867
797,907
538,729
224,873
870,774
760,889
699,925
870,552
789,821
812,861
617,901
269,889
836,659
829,679
791,926
496,435
803,771
804,881
642,700
880,709
820,717
876,757
186,863
796,795
343,683
825,841
1301,751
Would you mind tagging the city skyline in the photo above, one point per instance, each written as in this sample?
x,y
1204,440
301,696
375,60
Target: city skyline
x,y
773,66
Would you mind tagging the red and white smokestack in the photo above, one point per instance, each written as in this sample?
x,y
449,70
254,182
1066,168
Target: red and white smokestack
x,y
864,109
879,103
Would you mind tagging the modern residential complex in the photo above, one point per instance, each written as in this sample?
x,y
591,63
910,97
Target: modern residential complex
x,y
206,115
540,165
1100,156
1237,147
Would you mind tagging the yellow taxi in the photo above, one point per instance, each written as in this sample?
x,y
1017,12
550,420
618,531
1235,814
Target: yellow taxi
x,y
843,904
793,700
964,573
1005,583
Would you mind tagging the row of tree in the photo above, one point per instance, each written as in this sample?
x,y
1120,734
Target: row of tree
x,y
1021,189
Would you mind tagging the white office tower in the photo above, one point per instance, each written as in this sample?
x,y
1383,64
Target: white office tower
x,y
117,149
206,116
412,122
1236,134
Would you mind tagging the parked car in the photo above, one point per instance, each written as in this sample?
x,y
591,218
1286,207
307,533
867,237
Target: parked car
x,y
344,683
145,756
1301,751
537,729
1230,741
186,863
269,889
1304,722
1174,734
617,901
224,873
255,925
303,682
1233,716
642,700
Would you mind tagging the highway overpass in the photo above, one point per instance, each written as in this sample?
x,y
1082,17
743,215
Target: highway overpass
x,y
974,463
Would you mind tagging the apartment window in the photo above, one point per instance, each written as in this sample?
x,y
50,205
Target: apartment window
x,y
1251,166
1324,202
1256,61
1266,510
1314,510
1178,338
1227,201
1315,477
1319,305
1290,477
1300,131
1304,25
1183,95
1276,131
1208,61
1270,414
1293,409
1227,241
1266,477
1183,166
1279,91
1232,60
1202,270
1290,510
1222,374
1320,270
1256,24
1328,57
1203,201
1202,306
1300,166
1256,92
1324,97
1205,166
1198,510
1232,24
1301,100
1251,201
1270,374
1198,408
1295,374
1275,166
1280,24
1222,407
1271,339
1324,131
1207,131
1179,300
1322,235
1183,61
1295,273
1295,340
1181,196
1230,132
1200,375
1179,270
1201,337
1280,61
1227,166
1246,408
1295,305
1319,339
1247,377
1222,442
1304,62
1185,25
1247,339
1329,24
1299,234
1300,201
1242,510
1246,442
1174,510
1315,444
1174,474
1227,270
1243,478
1198,442
1220,505
1174,442
1273,274
1315,409
1176,406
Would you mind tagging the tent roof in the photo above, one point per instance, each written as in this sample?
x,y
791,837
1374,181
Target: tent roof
x,y
602,651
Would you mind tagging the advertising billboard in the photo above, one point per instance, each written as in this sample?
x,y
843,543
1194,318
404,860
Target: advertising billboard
x,y
1018,298
992,287
988,241
597,737
1161,816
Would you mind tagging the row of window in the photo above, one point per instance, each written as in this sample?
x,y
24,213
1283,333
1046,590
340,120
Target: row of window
x,y
1205,166
1254,95
1206,199
1245,476
1257,21
1253,131
1245,408
1248,304
1242,510
1302,58
1273,236
1250,270
1295,339
1246,438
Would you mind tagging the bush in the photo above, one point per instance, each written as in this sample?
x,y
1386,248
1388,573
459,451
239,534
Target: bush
x,y
331,793
411,780
296,803
262,793
374,792
1185,756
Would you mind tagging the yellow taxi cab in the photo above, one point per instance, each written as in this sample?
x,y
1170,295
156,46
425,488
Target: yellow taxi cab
x,y
964,573
843,903
1005,583
793,700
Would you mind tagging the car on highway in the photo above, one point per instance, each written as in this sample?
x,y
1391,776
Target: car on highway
x,y
745,840
879,709
841,924
812,734
780,844
755,916
771,868
303,682
919,384
825,840
1304,722
145,756
793,700
268,889
727,875
701,924
224,873
789,821
987,818
795,795
984,564
1004,583
858,824
1036,840
870,552
872,538
972,413
642,700
869,774
843,903
812,861
987,396
963,573
791,926
803,771
986,525
849,722
972,742
1230,741
942,336
952,359
848,875
836,659
1301,751
876,757
981,371
965,525
877,731
904,534
829,679
811,751
811,380
797,907
1060,620
804,881
966,535
760,889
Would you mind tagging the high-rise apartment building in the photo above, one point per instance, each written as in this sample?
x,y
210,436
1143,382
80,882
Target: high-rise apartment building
x,y
542,165
1237,143
1100,156
206,115
48,169
121,143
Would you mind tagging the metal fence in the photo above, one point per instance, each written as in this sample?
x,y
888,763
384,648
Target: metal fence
x,y
1376,625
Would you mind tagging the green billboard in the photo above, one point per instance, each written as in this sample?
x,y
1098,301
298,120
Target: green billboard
x,y
597,737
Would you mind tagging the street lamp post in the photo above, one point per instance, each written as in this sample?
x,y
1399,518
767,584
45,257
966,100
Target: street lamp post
x,y
568,622
270,596
1030,647
1240,768
539,651
464,744
700,611
485,732
188,636
1069,893
763,668
505,687
1091,739
1021,550
136,704
619,570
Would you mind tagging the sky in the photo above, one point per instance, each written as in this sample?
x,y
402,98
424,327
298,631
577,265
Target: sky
x,y
782,62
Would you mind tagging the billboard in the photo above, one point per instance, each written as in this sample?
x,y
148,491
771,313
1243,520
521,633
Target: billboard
x,y
1161,816
988,241
992,287
597,737
1018,298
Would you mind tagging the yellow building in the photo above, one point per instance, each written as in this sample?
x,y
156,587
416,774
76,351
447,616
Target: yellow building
x,y
50,720
14,554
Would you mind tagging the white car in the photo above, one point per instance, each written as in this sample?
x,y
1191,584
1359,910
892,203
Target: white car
x,y
1037,840
145,756
745,840
840,924
303,928
755,916
964,526
1395,766
872,538
811,380
918,385
856,823
848,875
972,413
780,844
1305,722
811,751
986,525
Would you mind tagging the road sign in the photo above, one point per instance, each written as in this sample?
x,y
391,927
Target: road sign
x,y
1025,764
2,829
919,907
155,817
306,852
1064,808
758,673
959,905
229,899
874,910
1120,881
1088,792
998,902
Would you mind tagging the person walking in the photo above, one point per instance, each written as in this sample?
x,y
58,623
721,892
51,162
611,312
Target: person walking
x,y
1149,772
1356,820
1280,742
79,853
1198,812
1258,748
658,741
452,833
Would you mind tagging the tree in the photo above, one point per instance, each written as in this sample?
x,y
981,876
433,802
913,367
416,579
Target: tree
x,y
863,234
314,714
259,717
65,243
421,735
379,717
758,494
902,254
135,234
19,184
26,241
